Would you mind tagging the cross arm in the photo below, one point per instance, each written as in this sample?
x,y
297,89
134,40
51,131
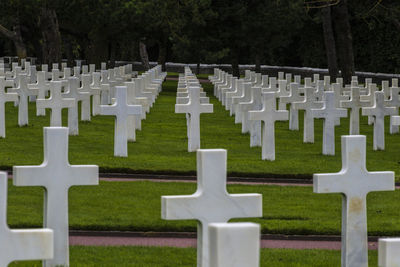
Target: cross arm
x,y
257,115
10,97
134,110
30,176
182,108
108,109
178,207
329,183
84,175
247,205
41,238
206,108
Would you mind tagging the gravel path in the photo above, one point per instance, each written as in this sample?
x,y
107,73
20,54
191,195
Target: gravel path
x,y
184,242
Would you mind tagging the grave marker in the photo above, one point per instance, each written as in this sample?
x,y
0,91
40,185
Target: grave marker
x,y
4,97
194,108
121,110
329,113
21,244
354,182
388,252
211,203
234,244
310,102
56,103
56,175
269,115
355,104
379,111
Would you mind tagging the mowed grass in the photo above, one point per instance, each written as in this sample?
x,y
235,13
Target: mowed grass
x,y
185,257
136,206
161,145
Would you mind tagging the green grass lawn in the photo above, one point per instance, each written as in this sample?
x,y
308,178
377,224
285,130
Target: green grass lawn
x,y
136,206
161,145
185,257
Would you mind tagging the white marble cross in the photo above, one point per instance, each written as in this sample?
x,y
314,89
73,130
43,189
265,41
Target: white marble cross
x,y
121,110
388,252
370,97
306,105
56,175
194,108
379,111
21,244
85,93
95,91
43,87
394,101
354,104
253,127
294,113
84,97
136,120
234,244
56,103
329,113
211,203
244,97
23,93
269,115
395,120
354,182
4,97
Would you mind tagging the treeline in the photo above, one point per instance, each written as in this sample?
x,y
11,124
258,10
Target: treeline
x,y
339,34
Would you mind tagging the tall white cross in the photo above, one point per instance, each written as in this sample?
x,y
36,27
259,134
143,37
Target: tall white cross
x,y
370,97
269,115
293,97
253,127
43,87
136,121
354,104
85,93
354,182
23,93
310,102
56,175
394,101
194,108
121,110
329,113
95,91
84,97
4,97
379,111
56,103
211,203
21,244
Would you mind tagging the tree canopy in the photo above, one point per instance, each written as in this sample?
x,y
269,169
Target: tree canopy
x,y
362,33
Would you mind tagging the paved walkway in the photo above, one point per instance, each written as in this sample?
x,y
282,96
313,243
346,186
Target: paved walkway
x,y
183,241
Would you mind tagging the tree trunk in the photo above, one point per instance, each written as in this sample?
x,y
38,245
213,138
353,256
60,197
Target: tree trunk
x,y
97,50
162,54
235,64
344,40
329,38
16,37
51,37
258,61
143,54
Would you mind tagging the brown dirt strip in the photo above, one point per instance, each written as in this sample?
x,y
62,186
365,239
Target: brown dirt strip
x,y
184,240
